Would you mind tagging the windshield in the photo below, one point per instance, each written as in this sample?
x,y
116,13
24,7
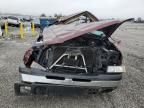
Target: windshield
x,y
98,33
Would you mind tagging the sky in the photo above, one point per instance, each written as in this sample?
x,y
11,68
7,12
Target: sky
x,y
100,8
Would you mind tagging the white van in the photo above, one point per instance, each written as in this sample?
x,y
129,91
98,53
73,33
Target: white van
x,y
13,21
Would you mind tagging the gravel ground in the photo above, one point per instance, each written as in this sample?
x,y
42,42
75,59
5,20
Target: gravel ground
x,y
130,93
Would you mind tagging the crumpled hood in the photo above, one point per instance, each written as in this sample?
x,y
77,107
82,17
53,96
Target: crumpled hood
x,y
61,33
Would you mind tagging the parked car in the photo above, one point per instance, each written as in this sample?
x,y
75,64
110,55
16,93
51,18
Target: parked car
x,y
27,19
13,21
36,22
73,56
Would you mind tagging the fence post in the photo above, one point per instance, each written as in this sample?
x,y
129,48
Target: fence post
x,y
33,29
6,27
21,31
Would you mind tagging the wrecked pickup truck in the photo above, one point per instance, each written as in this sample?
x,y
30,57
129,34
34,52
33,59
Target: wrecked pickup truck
x,y
73,56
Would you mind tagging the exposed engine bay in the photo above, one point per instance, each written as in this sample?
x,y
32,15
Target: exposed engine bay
x,y
90,53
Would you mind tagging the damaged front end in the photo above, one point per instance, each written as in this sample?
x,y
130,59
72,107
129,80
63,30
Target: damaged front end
x,y
74,56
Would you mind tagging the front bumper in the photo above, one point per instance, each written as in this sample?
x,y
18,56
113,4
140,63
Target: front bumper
x,y
35,78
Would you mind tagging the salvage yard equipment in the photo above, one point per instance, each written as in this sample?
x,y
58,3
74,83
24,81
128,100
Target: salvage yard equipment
x,y
75,56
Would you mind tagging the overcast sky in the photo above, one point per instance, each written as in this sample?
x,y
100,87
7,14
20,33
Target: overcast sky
x,y
101,8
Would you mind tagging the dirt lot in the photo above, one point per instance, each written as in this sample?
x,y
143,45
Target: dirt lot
x,y
130,94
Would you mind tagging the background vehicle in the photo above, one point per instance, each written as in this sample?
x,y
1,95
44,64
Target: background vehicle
x,y
36,22
13,21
